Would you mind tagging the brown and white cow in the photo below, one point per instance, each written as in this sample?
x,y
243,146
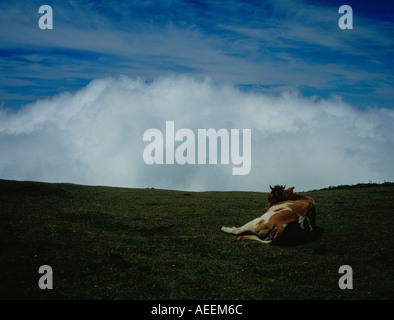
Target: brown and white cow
x,y
297,216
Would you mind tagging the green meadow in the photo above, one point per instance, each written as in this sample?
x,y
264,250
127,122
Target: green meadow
x,y
119,243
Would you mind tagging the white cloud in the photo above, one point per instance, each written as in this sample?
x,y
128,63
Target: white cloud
x,y
95,136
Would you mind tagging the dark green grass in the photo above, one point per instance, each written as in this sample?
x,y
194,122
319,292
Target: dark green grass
x,y
116,243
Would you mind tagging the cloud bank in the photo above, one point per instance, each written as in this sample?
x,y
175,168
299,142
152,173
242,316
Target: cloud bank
x,y
95,136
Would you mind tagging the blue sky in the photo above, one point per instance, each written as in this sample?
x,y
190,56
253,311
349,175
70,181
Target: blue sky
x,y
267,46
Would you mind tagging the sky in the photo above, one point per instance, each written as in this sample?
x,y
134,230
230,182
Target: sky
x,y
76,100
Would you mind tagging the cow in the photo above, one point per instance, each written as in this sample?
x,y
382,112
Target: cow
x,y
296,216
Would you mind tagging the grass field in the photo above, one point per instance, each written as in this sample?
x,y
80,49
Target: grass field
x,y
118,243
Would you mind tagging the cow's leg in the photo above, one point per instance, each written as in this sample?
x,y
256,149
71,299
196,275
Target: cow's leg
x,y
248,227
232,230
249,231
251,237
312,219
310,226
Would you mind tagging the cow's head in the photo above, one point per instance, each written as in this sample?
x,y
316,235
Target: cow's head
x,y
276,195
279,194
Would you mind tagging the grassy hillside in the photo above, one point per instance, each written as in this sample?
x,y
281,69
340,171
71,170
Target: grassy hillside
x,y
116,243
